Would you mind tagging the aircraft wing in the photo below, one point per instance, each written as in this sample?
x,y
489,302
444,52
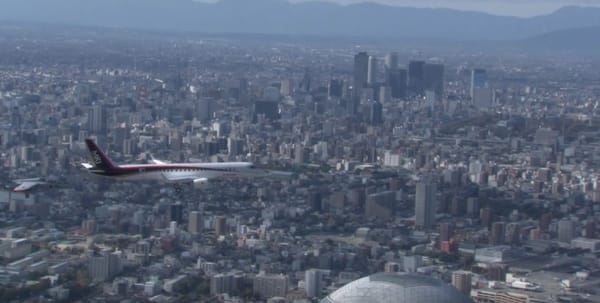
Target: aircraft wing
x,y
172,177
27,185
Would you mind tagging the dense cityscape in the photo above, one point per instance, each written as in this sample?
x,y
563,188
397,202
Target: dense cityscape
x,y
477,170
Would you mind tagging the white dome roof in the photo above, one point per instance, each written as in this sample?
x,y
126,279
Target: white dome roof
x,y
397,288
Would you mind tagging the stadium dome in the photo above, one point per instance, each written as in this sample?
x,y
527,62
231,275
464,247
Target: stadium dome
x,y
397,288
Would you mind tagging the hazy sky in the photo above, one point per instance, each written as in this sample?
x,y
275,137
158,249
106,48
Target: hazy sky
x,y
499,7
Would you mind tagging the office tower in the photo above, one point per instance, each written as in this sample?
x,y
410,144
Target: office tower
x,y
286,87
566,230
416,77
385,94
361,71
195,222
335,88
479,79
485,216
472,206
381,206
220,226
103,268
446,231
229,283
497,234
461,280
425,203
482,95
97,119
235,146
376,113
268,109
397,80
175,212
391,61
314,200
205,108
412,263
433,75
372,71
513,235
545,221
312,279
269,286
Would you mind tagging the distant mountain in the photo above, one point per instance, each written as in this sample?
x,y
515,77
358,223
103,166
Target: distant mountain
x,y
306,18
585,39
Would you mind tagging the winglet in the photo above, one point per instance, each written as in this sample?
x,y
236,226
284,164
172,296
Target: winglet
x,y
97,157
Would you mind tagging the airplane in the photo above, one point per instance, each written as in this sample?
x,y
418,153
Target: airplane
x,y
196,174
26,185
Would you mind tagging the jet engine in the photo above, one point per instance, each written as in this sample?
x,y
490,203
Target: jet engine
x,y
201,183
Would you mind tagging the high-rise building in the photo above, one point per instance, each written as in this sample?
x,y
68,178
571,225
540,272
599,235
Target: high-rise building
x,y
335,88
268,109
472,206
195,222
482,95
372,71
461,280
220,226
566,230
497,234
312,279
175,212
286,87
376,113
205,108
446,231
397,80
433,78
391,61
381,206
105,267
416,77
269,286
385,94
478,79
425,203
97,119
361,71
229,283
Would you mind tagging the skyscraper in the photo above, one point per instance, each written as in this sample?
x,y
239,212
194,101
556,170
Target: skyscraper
x,y
195,222
220,226
462,281
376,113
446,231
425,203
479,79
312,281
497,234
97,119
566,230
416,77
434,79
482,95
335,88
175,212
372,71
391,61
361,71
102,268
397,80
